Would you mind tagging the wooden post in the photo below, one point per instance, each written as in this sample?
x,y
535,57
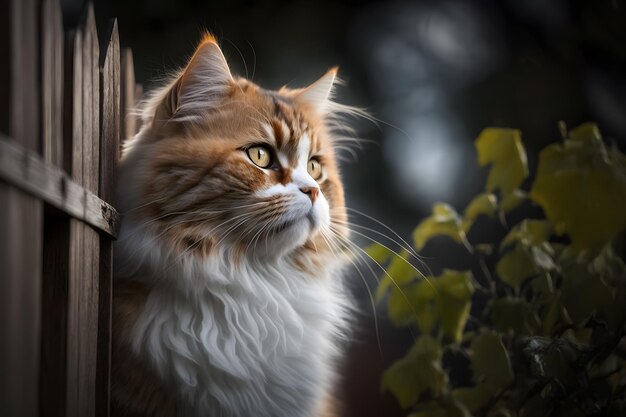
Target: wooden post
x,y
129,122
109,151
56,233
84,240
52,82
20,216
61,120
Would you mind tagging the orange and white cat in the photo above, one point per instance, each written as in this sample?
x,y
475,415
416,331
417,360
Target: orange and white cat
x,y
228,296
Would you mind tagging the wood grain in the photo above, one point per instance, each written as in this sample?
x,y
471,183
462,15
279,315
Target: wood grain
x,y
52,82
52,376
84,240
62,101
20,216
129,123
109,146
28,172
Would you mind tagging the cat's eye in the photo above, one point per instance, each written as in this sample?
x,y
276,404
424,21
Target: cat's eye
x,y
314,168
260,155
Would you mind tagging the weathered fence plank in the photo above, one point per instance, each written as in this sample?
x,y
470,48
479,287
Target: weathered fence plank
x,y
20,216
84,245
56,234
28,172
52,82
129,122
74,150
110,112
109,151
63,103
52,380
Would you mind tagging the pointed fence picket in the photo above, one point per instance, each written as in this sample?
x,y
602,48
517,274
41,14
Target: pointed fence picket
x,y
64,109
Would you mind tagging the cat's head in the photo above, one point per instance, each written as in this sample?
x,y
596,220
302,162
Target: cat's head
x,y
222,162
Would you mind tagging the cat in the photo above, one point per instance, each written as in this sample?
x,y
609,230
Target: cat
x,y
228,293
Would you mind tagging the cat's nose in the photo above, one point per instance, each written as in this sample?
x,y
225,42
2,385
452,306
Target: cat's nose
x,y
312,192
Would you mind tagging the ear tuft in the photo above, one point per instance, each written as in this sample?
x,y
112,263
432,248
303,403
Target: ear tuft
x,y
208,37
319,93
201,87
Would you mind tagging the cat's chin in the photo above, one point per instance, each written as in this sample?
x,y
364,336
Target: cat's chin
x,y
291,235
288,236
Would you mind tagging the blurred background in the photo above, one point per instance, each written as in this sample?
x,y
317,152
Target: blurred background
x,y
435,73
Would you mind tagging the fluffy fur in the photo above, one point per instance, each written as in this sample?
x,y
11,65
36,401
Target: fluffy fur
x,y
228,297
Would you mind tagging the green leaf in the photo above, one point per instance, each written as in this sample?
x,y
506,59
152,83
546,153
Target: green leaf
x,y
586,132
514,314
504,150
542,259
543,289
445,299
581,187
444,221
399,273
378,253
585,294
553,314
513,200
529,233
425,306
490,360
400,308
535,406
455,408
442,407
473,397
454,300
413,303
608,263
417,372
482,204
515,266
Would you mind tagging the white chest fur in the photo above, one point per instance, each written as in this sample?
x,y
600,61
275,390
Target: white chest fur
x,y
259,340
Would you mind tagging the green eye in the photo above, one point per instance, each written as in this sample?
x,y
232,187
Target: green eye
x,y
314,169
260,155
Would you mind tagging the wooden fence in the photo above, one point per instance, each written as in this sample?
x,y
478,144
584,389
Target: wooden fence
x,y
63,101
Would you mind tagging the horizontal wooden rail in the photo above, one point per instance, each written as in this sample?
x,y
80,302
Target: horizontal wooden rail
x,y
27,171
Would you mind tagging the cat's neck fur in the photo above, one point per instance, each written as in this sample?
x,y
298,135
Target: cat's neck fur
x,y
255,337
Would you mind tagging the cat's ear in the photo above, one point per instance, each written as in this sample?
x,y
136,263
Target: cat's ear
x,y
202,86
319,93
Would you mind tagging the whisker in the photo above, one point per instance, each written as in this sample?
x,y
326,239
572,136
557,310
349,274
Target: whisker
x,y
367,287
393,281
410,250
367,216
420,273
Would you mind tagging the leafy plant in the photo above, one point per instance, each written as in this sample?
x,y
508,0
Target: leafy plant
x,y
538,322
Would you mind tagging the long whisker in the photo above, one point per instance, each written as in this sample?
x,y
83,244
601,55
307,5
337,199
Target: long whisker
x,y
389,249
407,248
420,273
393,281
329,242
367,216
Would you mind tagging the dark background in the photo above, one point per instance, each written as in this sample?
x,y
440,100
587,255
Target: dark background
x,y
435,73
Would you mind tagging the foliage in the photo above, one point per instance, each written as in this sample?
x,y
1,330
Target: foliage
x,y
539,320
